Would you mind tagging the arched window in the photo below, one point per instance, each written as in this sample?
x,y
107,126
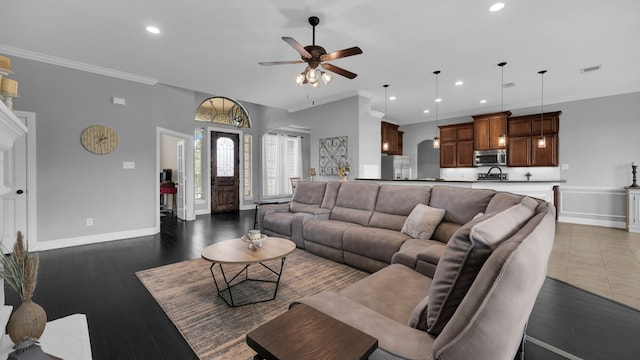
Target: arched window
x,y
222,110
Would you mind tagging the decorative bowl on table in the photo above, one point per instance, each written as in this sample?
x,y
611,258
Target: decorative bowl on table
x,y
253,242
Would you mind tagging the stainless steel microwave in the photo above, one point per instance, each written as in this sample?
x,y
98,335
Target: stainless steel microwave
x,y
490,158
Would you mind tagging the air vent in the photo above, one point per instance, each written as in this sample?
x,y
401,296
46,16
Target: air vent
x,y
509,85
590,68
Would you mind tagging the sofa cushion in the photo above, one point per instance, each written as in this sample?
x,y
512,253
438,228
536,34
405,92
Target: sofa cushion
x,y
503,200
279,222
374,243
309,192
461,204
493,231
379,291
418,319
422,221
355,203
330,195
463,257
395,203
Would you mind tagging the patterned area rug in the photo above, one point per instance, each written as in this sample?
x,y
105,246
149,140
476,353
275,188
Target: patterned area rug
x,y
187,294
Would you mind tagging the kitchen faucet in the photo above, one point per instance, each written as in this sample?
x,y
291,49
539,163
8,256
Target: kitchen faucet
x,y
495,167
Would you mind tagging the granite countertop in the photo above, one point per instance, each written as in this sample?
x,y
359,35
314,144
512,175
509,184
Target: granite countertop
x,y
468,181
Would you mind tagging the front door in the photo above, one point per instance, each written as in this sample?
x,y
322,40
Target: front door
x,y
225,172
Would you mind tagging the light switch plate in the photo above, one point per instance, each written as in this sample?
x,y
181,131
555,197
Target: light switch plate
x,y
564,166
128,165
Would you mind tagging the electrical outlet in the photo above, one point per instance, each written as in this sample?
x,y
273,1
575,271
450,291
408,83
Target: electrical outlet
x,y
89,221
564,167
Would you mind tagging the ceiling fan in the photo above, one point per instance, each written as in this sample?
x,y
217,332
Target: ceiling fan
x,y
315,56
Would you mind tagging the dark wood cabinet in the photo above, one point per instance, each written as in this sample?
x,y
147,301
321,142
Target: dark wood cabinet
x,y
547,156
391,139
464,153
519,152
524,132
448,154
487,130
456,145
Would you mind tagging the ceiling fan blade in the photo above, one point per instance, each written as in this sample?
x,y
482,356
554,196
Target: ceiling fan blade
x,y
268,63
296,45
338,70
341,53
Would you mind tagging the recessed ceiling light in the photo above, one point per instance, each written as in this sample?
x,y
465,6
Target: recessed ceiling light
x,y
459,82
426,111
496,7
438,100
153,29
483,101
392,98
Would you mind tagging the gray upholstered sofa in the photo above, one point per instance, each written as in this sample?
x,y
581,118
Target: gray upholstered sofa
x,y
465,293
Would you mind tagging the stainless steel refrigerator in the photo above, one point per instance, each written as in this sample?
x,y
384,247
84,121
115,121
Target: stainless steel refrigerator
x,y
395,167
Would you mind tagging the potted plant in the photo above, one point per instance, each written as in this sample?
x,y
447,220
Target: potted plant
x,y
20,270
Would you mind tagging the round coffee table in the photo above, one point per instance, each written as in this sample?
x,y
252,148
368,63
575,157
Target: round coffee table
x,y
237,252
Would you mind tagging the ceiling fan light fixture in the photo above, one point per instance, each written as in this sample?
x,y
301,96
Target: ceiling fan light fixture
x,y
300,79
326,78
312,76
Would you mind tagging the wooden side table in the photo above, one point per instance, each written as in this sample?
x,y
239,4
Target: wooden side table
x,y
306,333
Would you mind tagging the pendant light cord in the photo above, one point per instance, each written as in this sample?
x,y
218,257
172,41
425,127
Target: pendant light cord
x,y
542,72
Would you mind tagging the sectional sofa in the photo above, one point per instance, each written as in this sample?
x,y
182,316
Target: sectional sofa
x,y
455,271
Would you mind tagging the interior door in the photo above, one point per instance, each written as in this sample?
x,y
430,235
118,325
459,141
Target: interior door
x,y
13,205
225,172
181,201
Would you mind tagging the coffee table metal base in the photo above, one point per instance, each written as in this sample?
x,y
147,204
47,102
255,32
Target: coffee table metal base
x,y
245,270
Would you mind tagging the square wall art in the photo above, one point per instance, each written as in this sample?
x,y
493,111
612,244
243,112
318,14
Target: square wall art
x,y
333,152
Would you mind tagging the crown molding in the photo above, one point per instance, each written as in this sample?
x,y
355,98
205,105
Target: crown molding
x,y
76,65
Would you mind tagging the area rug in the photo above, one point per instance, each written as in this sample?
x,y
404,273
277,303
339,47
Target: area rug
x,y
187,294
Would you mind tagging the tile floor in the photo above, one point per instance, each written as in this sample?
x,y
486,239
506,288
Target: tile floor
x,y
605,261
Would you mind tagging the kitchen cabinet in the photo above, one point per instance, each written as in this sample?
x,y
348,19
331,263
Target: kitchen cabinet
x,y
392,137
487,130
519,151
547,156
524,132
456,145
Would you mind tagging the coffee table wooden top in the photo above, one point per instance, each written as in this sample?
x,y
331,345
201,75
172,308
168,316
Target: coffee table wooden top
x,y
236,251
306,333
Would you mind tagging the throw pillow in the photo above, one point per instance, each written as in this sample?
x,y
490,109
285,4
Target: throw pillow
x,y
418,319
499,228
422,221
465,254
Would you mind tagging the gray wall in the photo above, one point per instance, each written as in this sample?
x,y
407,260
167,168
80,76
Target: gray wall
x,y
74,184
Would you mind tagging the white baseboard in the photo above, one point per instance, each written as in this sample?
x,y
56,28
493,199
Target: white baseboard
x,y
93,239
594,222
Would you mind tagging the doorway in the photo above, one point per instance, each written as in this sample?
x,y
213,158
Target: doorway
x,y
428,160
175,152
18,206
225,172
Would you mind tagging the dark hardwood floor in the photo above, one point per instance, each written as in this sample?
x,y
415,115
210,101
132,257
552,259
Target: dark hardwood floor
x,y
125,322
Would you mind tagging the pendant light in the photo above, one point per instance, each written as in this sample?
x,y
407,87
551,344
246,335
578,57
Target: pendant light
x,y
542,141
436,139
502,139
385,145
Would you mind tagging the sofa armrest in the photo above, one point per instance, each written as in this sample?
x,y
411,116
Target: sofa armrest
x,y
423,259
395,340
428,260
264,209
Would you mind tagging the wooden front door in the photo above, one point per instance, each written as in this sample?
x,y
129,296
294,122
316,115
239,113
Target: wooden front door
x,y
225,172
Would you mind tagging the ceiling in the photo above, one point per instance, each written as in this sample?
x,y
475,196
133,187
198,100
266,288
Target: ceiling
x,y
215,46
